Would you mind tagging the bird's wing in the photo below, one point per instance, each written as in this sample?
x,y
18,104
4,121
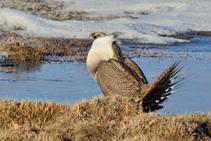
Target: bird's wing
x,y
116,78
130,63
135,68
159,91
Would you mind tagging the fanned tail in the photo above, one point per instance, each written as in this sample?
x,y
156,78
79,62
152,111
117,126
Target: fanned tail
x,y
161,88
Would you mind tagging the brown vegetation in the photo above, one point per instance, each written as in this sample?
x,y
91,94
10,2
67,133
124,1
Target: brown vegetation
x,y
189,35
33,49
106,118
19,52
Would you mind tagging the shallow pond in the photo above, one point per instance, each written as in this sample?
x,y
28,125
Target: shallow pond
x,y
70,82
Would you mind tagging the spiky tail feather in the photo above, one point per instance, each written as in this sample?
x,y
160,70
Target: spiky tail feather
x,y
161,88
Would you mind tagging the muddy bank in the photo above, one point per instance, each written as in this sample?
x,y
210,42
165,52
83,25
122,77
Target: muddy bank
x,y
189,35
106,118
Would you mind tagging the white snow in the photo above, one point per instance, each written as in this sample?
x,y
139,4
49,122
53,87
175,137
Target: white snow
x,y
154,17
118,7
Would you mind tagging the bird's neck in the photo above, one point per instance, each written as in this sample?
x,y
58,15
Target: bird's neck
x,y
101,50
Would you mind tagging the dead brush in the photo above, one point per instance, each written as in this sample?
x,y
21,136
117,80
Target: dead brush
x,y
15,114
75,49
67,47
21,52
32,49
28,49
106,118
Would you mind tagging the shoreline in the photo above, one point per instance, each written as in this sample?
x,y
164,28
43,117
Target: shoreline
x,y
189,35
38,49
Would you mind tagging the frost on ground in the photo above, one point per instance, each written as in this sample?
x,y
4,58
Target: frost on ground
x,y
145,21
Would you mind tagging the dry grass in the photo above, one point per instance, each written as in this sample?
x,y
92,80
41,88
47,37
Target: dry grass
x,y
20,52
35,49
76,48
106,118
32,49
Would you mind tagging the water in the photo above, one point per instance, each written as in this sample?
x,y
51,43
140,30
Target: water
x,y
70,82
65,83
197,44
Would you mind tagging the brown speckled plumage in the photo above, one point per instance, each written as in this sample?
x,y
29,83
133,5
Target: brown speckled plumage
x,y
129,62
122,76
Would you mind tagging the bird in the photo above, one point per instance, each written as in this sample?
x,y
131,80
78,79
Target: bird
x,y
120,75
118,55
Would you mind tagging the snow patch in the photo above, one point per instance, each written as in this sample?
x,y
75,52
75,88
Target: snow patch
x,y
32,25
153,19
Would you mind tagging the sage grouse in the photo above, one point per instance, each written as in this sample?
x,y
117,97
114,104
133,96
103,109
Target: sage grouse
x,y
119,75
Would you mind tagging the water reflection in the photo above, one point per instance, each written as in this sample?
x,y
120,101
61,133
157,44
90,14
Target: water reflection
x,y
20,68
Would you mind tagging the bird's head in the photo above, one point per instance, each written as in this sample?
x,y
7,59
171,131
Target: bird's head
x,y
96,35
101,50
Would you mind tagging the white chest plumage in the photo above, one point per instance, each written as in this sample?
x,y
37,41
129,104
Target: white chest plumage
x,y
101,50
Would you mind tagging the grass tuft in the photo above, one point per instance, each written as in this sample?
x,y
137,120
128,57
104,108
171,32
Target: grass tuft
x,y
33,49
106,118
